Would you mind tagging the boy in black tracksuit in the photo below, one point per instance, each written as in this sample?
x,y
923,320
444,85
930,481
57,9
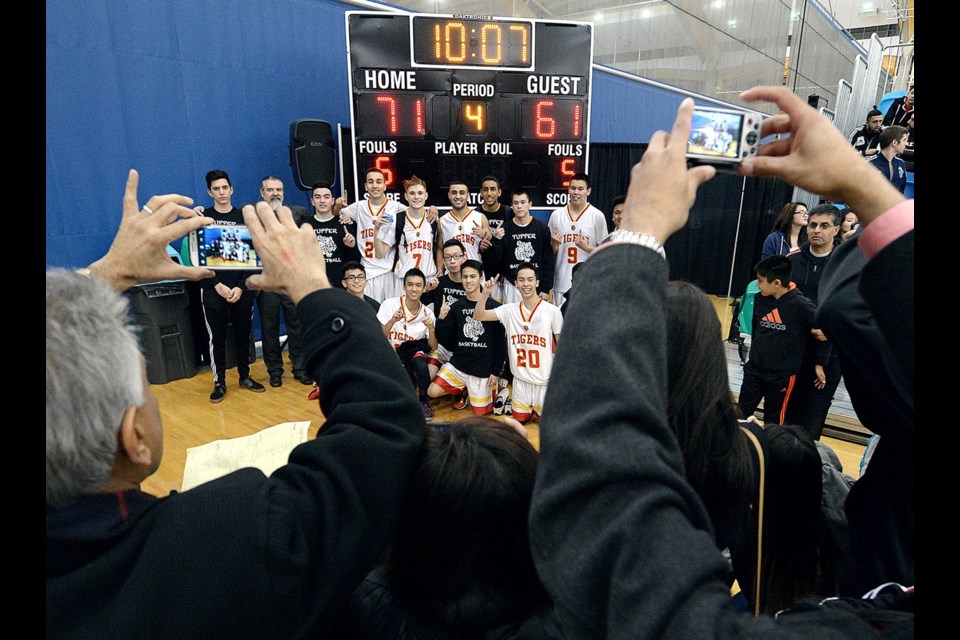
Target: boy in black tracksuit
x,y
782,320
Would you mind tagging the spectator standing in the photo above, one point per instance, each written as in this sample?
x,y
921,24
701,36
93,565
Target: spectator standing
x,y
620,542
270,303
225,298
782,319
881,506
788,233
237,557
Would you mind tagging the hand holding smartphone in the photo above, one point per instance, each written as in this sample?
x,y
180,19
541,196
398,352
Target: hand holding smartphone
x,y
224,247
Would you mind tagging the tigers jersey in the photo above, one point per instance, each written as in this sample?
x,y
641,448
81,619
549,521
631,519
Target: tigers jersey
x,y
462,229
410,327
363,213
591,223
530,338
416,248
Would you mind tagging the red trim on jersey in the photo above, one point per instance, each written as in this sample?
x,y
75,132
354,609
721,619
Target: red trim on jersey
x,y
482,411
528,319
446,386
579,215
379,211
406,214
454,216
521,417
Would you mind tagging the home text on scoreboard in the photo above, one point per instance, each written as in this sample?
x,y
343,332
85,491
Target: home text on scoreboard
x,y
462,97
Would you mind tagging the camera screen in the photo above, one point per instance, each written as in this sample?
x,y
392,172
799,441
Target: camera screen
x,y
226,247
715,134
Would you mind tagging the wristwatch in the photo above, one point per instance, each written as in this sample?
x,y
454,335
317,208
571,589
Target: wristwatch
x,y
635,237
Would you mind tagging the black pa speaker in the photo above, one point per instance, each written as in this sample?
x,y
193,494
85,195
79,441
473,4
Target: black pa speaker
x,y
312,153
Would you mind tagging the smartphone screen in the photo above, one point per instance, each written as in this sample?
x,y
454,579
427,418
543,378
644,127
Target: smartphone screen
x,y
715,134
226,247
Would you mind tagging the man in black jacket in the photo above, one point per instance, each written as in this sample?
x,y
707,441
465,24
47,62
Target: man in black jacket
x,y
620,539
865,137
269,304
225,297
244,555
819,374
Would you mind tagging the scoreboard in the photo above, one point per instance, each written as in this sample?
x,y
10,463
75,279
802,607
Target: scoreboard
x,y
451,97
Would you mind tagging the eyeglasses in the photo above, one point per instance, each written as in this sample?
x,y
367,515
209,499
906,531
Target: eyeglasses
x,y
822,225
357,278
801,213
452,258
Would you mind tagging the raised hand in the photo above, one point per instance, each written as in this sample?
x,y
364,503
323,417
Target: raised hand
x,y
138,252
293,263
349,240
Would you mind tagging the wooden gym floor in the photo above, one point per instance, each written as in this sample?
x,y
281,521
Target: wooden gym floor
x,y
190,419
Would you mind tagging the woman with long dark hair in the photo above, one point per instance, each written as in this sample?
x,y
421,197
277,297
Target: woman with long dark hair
x,y
788,232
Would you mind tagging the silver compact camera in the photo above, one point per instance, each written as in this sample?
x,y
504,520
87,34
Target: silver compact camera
x,y
723,137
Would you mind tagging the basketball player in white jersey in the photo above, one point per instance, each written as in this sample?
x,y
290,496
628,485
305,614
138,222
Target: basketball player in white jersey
x,y
463,223
532,328
577,229
369,214
410,326
415,249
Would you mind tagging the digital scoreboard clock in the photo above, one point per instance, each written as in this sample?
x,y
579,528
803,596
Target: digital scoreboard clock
x,y
448,97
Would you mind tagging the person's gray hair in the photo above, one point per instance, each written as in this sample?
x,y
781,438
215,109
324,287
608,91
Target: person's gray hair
x,y
93,375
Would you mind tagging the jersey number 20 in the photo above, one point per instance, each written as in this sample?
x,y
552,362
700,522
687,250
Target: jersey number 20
x,y
529,358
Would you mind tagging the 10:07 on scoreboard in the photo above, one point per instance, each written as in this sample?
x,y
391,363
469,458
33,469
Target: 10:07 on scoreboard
x,y
461,97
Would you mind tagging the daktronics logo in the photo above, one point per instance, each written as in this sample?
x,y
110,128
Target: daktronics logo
x,y
772,321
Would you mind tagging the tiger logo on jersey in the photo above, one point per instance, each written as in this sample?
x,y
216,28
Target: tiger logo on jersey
x,y
524,251
473,329
327,245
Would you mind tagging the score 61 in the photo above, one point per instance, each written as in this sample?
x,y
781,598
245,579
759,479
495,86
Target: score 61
x,y
412,115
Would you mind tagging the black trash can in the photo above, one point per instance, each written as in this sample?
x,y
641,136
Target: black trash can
x,y
162,310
